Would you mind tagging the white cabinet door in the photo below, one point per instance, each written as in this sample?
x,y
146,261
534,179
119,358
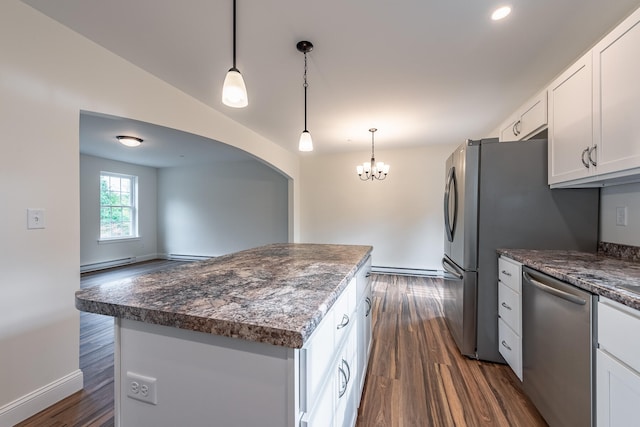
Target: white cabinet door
x,y
571,123
529,119
616,70
508,132
534,117
618,393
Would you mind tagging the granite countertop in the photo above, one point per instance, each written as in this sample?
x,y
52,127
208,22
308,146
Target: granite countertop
x,y
596,273
275,294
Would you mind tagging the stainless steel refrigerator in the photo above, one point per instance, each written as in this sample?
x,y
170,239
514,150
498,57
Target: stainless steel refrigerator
x,y
496,196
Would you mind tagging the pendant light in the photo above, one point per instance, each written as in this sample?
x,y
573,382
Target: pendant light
x,y
305,144
234,92
372,170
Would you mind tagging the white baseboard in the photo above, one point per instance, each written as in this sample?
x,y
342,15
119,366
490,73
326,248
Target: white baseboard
x,y
34,402
186,257
117,262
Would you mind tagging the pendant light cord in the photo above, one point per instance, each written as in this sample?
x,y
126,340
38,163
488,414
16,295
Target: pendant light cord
x,y
305,91
234,35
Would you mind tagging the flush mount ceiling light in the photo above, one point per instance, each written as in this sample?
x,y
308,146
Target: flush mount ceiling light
x,y
372,170
129,141
501,13
234,92
305,144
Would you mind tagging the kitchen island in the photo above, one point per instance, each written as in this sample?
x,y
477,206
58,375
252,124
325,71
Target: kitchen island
x,y
273,336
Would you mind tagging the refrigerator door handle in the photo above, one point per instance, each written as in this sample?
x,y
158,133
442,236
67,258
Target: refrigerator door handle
x,y
451,182
450,268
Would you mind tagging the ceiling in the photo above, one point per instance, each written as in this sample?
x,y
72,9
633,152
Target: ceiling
x,y
421,71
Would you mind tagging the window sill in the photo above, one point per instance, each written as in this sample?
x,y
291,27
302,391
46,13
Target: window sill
x,y
118,240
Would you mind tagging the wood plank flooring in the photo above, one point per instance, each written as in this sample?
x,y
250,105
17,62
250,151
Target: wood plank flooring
x,y
416,375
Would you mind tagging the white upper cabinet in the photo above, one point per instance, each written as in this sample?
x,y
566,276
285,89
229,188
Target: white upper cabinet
x,y
594,114
616,75
529,119
571,123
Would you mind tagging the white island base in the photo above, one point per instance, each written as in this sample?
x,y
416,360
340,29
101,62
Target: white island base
x,y
201,379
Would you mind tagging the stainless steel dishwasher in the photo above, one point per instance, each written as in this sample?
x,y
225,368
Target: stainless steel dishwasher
x,y
558,339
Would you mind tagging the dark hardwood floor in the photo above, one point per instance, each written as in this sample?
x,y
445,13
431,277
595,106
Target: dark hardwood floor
x,y
416,376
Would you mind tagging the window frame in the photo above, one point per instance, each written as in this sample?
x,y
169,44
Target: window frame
x,y
133,197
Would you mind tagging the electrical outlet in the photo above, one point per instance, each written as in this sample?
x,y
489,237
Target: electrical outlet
x,y
142,388
35,218
621,216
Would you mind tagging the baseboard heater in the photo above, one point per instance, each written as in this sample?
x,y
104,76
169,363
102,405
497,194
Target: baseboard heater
x,y
107,264
183,257
407,271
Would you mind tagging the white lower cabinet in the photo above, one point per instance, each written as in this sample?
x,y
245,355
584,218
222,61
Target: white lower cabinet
x,y
334,361
510,313
618,393
617,365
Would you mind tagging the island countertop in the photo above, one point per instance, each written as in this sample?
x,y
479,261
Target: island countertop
x,y
599,274
275,294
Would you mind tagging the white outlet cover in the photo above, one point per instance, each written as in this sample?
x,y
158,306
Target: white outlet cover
x,y
35,218
142,388
621,216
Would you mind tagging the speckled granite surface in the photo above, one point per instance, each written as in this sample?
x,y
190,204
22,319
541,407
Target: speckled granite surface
x,y
599,274
616,250
275,294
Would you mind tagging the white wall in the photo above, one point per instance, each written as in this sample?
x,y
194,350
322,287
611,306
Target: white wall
x,y
48,74
211,210
144,248
620,196
401,217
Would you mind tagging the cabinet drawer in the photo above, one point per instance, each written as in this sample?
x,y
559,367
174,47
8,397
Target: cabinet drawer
x,y
344,312
509,307
619,332
509,273
322,413
510,347
362,279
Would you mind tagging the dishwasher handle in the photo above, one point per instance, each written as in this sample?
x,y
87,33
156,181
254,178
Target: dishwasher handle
x,y
553,291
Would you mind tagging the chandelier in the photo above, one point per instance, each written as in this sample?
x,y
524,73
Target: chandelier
x,y
372,170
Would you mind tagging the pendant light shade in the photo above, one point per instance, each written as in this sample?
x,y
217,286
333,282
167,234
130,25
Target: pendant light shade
x,y
305,144
234,91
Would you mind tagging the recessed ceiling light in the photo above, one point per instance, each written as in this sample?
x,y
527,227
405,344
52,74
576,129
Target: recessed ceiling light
x,y
500,13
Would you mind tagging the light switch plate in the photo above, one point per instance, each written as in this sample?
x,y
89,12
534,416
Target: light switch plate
x,y
35,218
621,216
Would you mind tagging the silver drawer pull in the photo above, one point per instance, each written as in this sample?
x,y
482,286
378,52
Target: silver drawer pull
x,y
345,322
342,389
506,273
368,301
505,305
505,345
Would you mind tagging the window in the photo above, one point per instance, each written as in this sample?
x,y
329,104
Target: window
x,y
118,203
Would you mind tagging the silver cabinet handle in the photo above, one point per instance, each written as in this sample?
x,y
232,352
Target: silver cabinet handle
x,y
346,365
593,162
345,377
368,274
505,345
505,305
343,382
584,162
368,301
345,322
506,273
